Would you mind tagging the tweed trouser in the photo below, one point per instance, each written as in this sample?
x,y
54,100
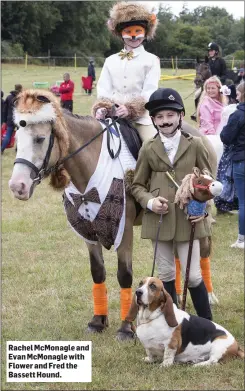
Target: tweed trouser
x,y
165,261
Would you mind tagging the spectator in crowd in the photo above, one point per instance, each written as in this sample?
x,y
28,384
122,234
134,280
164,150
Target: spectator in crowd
x,y
129,77
216,63
66,91
233,134
209,112
8,115
227,201
2,107
240,76
91,73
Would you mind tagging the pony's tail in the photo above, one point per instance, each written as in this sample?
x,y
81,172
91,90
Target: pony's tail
x,y
59,179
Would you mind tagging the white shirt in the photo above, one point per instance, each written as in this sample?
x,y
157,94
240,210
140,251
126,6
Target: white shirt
x,y
124,80
171,145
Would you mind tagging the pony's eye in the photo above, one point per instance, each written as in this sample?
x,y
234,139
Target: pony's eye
x,y
199,182
39,139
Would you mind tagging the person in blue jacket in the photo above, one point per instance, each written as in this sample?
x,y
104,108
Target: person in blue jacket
x,y
234,134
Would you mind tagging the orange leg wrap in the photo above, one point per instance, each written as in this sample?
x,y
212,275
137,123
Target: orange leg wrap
x,y
178,277
100,299
125,301
206,274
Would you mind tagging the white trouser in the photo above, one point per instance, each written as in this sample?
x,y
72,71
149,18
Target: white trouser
x,y
166,262
145,131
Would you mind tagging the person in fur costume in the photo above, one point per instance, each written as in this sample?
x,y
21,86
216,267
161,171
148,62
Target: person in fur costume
x,y
129,77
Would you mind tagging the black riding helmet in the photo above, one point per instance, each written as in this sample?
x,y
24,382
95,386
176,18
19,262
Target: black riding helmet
x,y
163,99
213,46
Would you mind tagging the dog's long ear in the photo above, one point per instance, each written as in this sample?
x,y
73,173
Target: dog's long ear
x,y
168,309
133,310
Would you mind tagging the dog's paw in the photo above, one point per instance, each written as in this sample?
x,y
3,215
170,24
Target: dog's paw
x,y
148,359
165,364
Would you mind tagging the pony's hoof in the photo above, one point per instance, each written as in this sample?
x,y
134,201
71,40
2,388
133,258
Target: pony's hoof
x,y
126,332
98,324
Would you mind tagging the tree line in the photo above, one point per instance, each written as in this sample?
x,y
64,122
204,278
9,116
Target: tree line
x,y
63,28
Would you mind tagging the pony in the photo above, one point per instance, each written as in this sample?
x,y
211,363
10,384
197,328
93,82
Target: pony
x,y
203,73
47,140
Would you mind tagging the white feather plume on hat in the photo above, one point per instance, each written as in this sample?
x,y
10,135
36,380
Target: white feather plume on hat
x,y
126,12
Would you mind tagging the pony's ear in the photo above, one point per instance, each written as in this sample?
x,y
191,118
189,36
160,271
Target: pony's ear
x,y
206,59
196,171
206,172
42,99
167,309
133,310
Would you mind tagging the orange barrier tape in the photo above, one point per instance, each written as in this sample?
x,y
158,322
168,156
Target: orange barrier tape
x,y
100,299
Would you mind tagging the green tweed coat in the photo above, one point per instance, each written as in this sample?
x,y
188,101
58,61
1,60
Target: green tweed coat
x,y
150,180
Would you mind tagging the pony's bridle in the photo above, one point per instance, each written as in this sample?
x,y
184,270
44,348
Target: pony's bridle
x,y
202,187
39,172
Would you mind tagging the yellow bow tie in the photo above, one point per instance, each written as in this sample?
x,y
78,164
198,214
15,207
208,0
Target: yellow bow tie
x,y
124,54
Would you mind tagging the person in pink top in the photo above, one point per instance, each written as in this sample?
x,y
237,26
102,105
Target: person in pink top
x,y
209,111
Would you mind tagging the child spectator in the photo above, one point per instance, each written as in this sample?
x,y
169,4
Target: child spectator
x,y
227,201
66,91
209,112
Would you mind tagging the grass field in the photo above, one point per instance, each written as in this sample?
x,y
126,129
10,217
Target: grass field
x,y
46,281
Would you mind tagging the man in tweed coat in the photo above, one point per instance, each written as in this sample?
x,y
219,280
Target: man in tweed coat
x,y
177,152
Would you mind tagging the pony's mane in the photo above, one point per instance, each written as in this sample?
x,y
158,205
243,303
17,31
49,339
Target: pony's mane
x,y
185,192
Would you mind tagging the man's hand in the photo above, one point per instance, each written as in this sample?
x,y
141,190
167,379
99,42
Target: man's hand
x,y
122,111
160,205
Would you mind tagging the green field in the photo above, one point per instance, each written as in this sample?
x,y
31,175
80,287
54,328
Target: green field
x,y
46,281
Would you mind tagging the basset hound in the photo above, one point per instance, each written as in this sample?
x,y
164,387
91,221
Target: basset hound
x,y
171,335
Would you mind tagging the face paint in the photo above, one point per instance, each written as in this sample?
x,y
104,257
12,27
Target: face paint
x,y
167,122
133,32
